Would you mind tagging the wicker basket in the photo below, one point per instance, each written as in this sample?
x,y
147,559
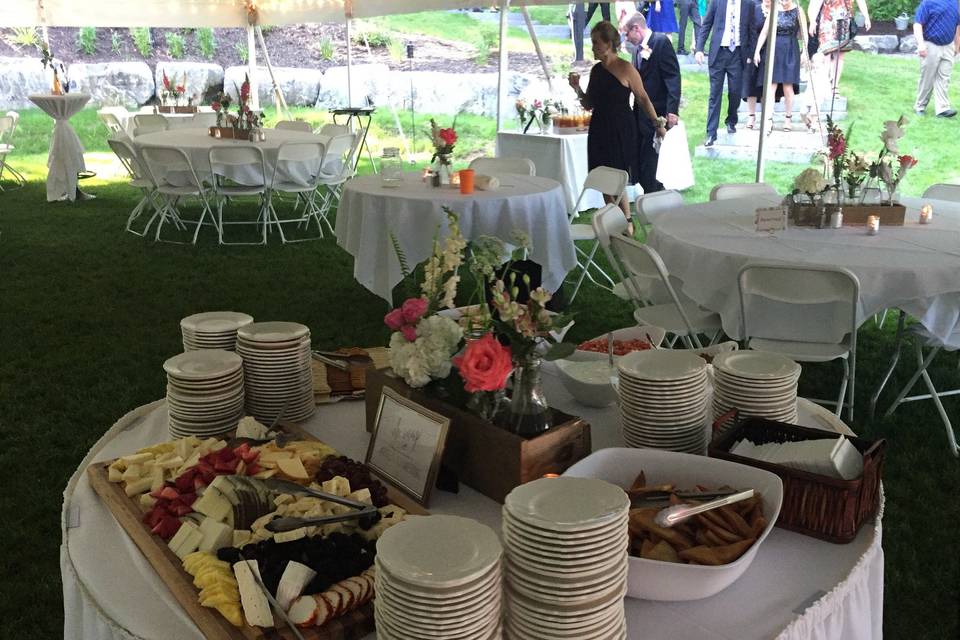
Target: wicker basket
x,y
814,505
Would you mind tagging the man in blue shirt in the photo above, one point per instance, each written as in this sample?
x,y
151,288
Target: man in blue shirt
x,y
936,26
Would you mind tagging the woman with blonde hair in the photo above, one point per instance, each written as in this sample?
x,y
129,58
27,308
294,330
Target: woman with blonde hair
x,y
791,29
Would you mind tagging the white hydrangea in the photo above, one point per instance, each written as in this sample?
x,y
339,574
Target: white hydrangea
x,y
428,357
810,181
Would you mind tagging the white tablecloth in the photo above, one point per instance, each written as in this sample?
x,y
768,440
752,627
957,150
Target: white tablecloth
x,y
174,120
914,267
798,588
413,212
198,142
65,158
561,157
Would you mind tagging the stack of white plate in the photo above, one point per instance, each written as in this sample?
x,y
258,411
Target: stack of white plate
x,y
565,541
663,400
212,330
438,577
204,392
756,383
276,370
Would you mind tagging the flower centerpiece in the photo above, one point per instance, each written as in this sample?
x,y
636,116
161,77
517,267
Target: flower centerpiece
x,y
221,106
890,167
59,87
539,111
247,119
443,143
856,169
172,93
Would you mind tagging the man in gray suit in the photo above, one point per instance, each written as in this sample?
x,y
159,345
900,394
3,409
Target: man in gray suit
x,y
687,9
726,26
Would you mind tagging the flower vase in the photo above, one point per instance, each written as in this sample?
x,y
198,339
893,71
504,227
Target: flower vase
x,y
529,413
544,124
442,168
486,404
853,194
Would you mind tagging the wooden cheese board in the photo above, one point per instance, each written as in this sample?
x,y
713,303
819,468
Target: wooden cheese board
x,y
351,626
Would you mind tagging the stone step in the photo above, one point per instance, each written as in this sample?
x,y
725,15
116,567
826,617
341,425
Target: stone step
x,y
797,146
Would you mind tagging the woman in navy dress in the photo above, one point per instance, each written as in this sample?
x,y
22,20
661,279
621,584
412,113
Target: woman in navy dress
x,y
791,30
661,17
752,88
612,140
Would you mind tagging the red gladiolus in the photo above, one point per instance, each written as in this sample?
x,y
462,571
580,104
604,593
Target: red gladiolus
x,y
245,90
907,162
449,136
166,81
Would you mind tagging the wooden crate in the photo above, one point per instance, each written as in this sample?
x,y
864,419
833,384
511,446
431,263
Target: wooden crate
x,y
171,109
351,626
890,216
228,133
487,457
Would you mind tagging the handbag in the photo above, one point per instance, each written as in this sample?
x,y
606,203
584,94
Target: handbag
x,y
674,168
813,42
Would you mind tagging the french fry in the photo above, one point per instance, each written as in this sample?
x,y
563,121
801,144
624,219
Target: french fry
x,y
639,482
645,519
719,531
712,539
663,552
646,548
758,526
736,522
702,555
729,553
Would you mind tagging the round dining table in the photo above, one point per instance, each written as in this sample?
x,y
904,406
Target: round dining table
x,y
372,214
197,143
913,267
797,588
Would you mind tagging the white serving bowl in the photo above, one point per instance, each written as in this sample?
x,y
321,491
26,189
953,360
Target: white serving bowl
x,y
656,580
600,392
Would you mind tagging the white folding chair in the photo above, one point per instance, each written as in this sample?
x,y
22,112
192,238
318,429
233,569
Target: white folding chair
x,y
943,191
924,338
294,125
806,313
610,182
226,162
8,127
307,158
138,179
108,116
337,168
149,123
204,119
649,205
333,130
496,166
741,190
160,164
638,265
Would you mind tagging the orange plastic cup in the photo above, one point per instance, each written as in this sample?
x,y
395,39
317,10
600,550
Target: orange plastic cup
x,y
466,181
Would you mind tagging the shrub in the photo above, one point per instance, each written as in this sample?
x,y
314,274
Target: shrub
x,y
397,49
325,48
890,9
242,52
174,44
142,41
205,42
116,42
87,40
24,37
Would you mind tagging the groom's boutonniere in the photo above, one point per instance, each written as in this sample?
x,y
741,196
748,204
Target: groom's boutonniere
x,y
645,52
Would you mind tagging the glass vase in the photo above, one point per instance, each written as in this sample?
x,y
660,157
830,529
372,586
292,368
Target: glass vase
x,y
486,404
441,167
853,194
529,413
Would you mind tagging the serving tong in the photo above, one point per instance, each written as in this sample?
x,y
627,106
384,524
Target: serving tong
x,y
662,493
289,523
678,513
341,361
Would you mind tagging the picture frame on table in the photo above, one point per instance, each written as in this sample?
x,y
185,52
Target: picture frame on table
x,y
407,444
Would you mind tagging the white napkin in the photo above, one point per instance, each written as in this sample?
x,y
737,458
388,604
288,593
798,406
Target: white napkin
x,y
835,458
486,183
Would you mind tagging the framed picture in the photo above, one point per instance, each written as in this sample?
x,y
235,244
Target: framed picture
x,y
406,444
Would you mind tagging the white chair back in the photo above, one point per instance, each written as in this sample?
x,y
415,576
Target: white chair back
x,y
128,157
308,157
334,130
798,303
204,119
225,158
338,160
607,180
943,191
496,166
149,123
649,205
294,125
108,116
7,125
161,162
729,190
16,119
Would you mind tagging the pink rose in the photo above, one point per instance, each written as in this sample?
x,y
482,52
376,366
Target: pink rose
x,y
485,365
413,309
394,319
409,332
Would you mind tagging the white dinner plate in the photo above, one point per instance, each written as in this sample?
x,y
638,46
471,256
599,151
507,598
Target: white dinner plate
x,y
661,364
215,321
558,504
273,332
203,365
756,364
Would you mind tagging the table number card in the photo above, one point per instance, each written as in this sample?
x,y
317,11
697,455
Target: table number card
x,y
771,219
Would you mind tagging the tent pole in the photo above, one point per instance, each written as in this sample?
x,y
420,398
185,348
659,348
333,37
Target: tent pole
x,y
769,103
536,44
252,68
502,68
349,67
277,94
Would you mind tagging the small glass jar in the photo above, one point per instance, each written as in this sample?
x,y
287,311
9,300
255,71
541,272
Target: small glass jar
x,y
391,168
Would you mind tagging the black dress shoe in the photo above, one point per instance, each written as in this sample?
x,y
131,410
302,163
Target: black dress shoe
x,y
949,113
731,128
709,142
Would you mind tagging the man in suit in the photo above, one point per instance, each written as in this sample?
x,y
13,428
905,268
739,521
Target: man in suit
x,y
657,63
687,9
726,26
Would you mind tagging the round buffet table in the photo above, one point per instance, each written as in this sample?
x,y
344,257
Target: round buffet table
x,y
797,588
412,212
65,159
912,267
197,142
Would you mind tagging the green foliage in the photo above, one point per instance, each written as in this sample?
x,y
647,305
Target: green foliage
x,y
397,50
87,40
242,53
325,48
890,9
142,41
206,42
175,44
116,42
23,37
561,68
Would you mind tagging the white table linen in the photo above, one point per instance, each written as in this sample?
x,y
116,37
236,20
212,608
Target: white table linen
x,y
174,120
913,267
369,212
197,142
798,588
561,157
65,158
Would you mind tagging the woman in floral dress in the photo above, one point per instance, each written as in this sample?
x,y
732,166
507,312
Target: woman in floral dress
x,y
833,32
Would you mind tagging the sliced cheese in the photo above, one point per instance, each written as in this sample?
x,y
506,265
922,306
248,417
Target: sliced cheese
x,y
337,485
290,536
216,535
241,537
295,578
186,540
292,467
212,504
256,608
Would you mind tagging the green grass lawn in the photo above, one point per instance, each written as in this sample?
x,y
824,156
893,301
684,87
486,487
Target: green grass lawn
x,y
90,313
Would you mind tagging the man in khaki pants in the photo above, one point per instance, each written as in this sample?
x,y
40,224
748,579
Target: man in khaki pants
x,y
937,29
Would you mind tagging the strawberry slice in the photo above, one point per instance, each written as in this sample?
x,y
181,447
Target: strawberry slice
x,y
180,509
169,493
253,468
